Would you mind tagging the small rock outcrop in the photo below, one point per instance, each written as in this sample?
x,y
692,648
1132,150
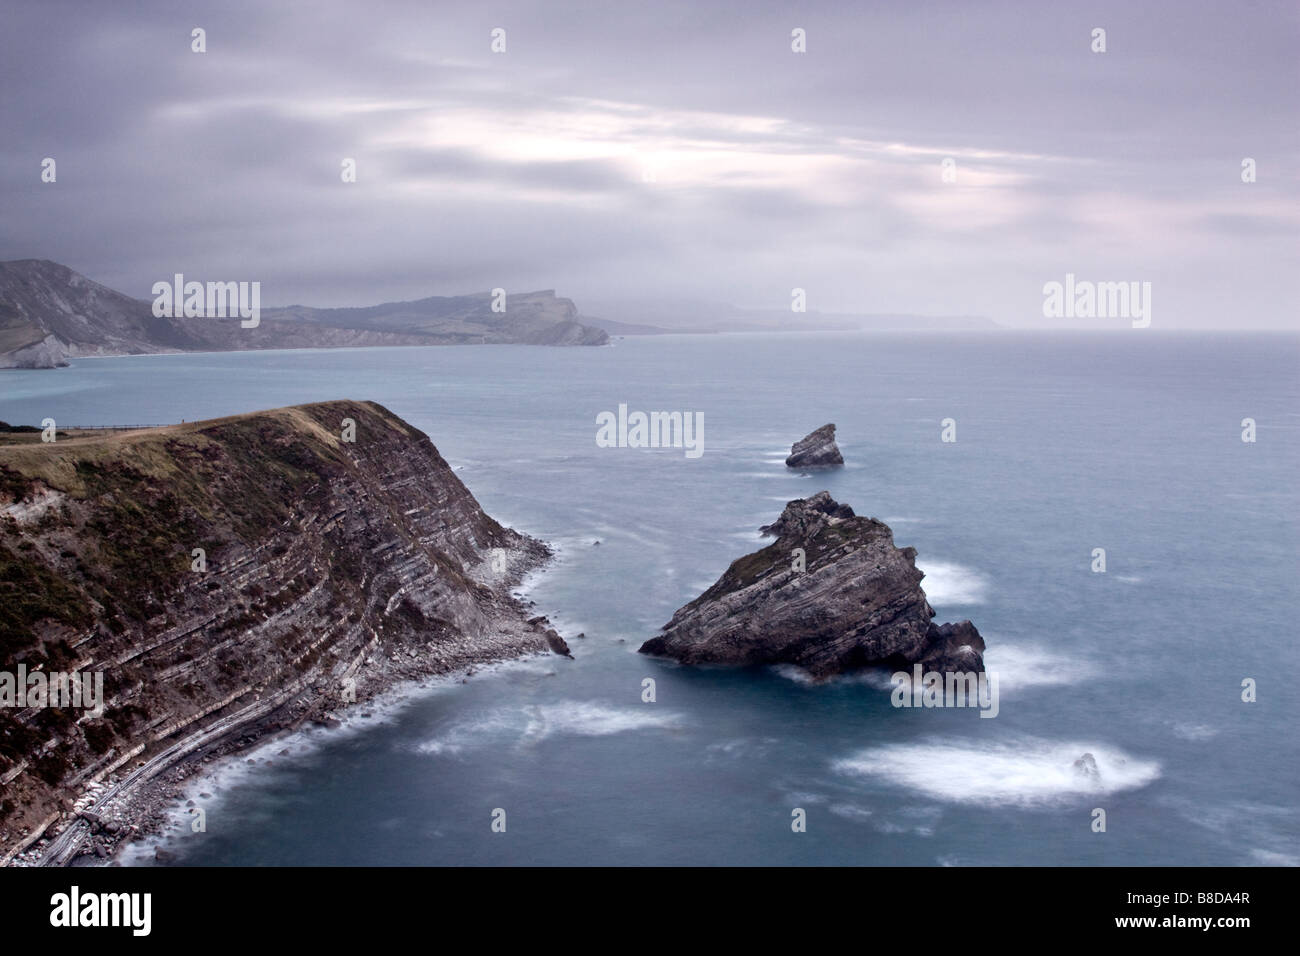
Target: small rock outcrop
x,y
817,449
1086,766
831,594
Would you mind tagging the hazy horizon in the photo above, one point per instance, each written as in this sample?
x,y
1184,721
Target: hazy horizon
x,y
666,152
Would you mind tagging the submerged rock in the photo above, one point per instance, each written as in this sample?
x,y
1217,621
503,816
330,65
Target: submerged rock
x,y
831,594
1086,766
817,449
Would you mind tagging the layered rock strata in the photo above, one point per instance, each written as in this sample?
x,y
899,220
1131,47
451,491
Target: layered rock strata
x,y
817,449
230,578
831,594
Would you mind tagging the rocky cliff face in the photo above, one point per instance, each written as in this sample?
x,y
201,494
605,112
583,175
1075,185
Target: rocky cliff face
x,y
831,594
49,352
329,569
49,313
817,449
530,318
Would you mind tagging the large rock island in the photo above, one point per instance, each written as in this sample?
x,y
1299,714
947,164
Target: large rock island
x,y
229,578
832,593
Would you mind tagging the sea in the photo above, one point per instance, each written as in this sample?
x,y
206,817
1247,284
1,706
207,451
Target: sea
x,y
1175,666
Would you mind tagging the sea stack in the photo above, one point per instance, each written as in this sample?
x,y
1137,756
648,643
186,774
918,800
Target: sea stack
x,y
817,449
831,594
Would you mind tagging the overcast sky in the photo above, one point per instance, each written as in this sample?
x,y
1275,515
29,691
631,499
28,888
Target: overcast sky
x,y
622,150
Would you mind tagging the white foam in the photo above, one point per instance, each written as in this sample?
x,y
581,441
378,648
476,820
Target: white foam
x,y
468,734
949,584
850,811
527,725
1027,665
918,820
1190,731
799,797
751,747
593,720
1027,772
793,672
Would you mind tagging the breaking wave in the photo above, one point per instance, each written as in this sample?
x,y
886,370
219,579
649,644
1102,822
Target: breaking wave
x,y
527,725
1030,772
950,584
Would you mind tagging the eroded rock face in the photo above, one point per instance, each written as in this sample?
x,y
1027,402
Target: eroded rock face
x,y
817,449
49,352
330,569
831,594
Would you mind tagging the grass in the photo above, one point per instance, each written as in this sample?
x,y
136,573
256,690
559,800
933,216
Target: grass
x,y
145,499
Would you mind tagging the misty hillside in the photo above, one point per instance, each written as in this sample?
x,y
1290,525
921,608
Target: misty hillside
x,y
49,313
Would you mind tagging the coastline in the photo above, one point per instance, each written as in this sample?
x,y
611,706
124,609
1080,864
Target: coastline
x,y
131,810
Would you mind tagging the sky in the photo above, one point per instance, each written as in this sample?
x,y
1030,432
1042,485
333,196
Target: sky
x,y
619,151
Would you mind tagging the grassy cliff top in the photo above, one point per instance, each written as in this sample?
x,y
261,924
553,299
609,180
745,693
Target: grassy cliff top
x,y
102,527
70,463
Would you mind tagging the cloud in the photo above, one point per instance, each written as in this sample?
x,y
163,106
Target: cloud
x,y
675,151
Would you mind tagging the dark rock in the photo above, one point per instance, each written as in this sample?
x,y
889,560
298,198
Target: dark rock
x,y
1086,766
817,449
557,644
857,602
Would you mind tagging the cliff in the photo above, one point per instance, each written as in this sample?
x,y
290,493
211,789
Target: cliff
x,y
832,593
49,313
330,569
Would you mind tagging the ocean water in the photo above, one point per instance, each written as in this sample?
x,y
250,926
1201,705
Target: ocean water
x,y
1065,443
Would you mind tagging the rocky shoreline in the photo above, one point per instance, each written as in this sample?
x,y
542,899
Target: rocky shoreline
x,y
230,580
111,816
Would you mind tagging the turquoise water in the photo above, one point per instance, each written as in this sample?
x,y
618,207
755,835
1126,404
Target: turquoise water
x,y
1129,442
